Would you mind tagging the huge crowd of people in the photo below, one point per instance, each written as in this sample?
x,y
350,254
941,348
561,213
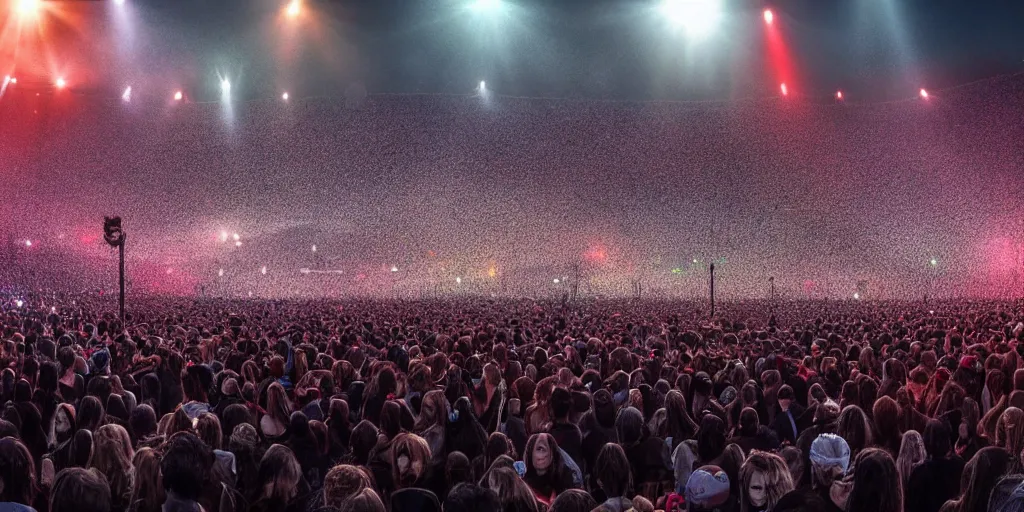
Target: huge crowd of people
x,y
488,405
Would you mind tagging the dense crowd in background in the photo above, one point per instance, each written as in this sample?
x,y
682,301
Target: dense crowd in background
x,y
509,406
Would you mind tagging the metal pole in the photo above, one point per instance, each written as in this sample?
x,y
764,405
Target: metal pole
x,y
121,298
712,290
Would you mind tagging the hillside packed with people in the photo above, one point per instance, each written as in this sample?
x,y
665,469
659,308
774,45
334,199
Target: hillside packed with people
x,y
509,405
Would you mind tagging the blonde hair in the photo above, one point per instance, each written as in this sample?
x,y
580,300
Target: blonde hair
x,y
112,456
912,454
344,481
777,479
417,450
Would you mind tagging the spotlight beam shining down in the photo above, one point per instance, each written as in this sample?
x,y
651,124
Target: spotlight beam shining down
x,y
698,18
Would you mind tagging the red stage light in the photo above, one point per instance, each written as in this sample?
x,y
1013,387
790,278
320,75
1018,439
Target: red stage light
x,y
784,89
769,17
839,95
60,83
924,94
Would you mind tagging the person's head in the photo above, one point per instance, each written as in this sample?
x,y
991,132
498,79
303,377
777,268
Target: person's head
x,y
410,456
629,426
113,455
365,500
853,426
471,497
344,481
876,483
146,486
186,465
560,404
278,406
1008,495
711,438
143,421
90,413
1010,431
433,411
208,429
786,397
764,478
363,440
498,444
830,458
279,474
573,500
80,490
980,476
936,439
749,422
457,469
17,472
912,453
512,491
707,489
613,472
542,456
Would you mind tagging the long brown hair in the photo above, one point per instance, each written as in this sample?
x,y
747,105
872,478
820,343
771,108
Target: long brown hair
x,y
279,474
147,488
513,493
112,456
777,479
417,454
278,406
876,483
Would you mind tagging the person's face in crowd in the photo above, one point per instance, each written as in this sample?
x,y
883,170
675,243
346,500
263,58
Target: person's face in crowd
x,y
784,403
915,389
61,423
541,455
815,350
757,492
963,430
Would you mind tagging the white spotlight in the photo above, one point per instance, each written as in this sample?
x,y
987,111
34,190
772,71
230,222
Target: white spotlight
x,y
236,237
60,83
19,303
697,17
293,9
225,85
263,270
238,244
486,5
7,79
220,273
856,296
314,248
483,86
53,309
394,268
119,2
458,280
28,243
924,94
556,281
284,96
127,94
223,236
178,96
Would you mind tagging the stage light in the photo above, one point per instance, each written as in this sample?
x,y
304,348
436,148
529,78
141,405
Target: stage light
x,y
29,7
127,94
934,262
555,280
924,94
28,243
53,309
293,9
856,296
60,83
7,79
314,248
483,86
284,96
238,244
225,85
14,80
394,268
931,312
458,280
236,237
769,16
220,273
839,95
263,270
784,89
223,236
697,17
19,303
487,5
178,96
119,2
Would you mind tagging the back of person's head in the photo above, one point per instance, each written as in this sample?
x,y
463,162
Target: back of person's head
x,y
279,474
147,489
980,476
629,426
208,429
17,472
560,403
80,490
457,469
469,496
876,483
365,500
363,440
613,472
707,489
185,465
143,421
749,422
936,438
410,456
1008,495
344,481
711,437
853,426
573,500
775,481
512,491
830,458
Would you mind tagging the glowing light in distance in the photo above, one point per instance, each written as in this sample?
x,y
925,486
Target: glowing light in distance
x,y
784,89
119,2
483,85
769,16
178,96
14,80
60,83
293,9
127,94
924,94
555,280
19,303
314,248
225,85
220,273
29,7
263,270
856,296
458,280
931,312
28,243
695,261
223,236
697,17
284,96
487,5
839,95
7,79
53,309
236,237
394,268
238,244
934,262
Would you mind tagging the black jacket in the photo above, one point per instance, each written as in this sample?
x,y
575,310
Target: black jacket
x,y
783,428
933,483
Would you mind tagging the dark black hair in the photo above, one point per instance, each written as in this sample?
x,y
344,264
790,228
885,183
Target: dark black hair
x,y
185,465
471,497
560,403
80,490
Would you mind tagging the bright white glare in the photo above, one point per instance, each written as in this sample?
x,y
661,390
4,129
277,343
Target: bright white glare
x,y
924,94
314,248
483,85
7,79
29,7
53,309
263,271
225,85
487,5
119,2
932,312
61,83
238,244
223,236
458,280
556,281
856,296
695,262
236,237
220,273
28,243
284,96
934,262
293,9
394,269
769,16
697,17
178,96
784,89
19,303
839,95
127,94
